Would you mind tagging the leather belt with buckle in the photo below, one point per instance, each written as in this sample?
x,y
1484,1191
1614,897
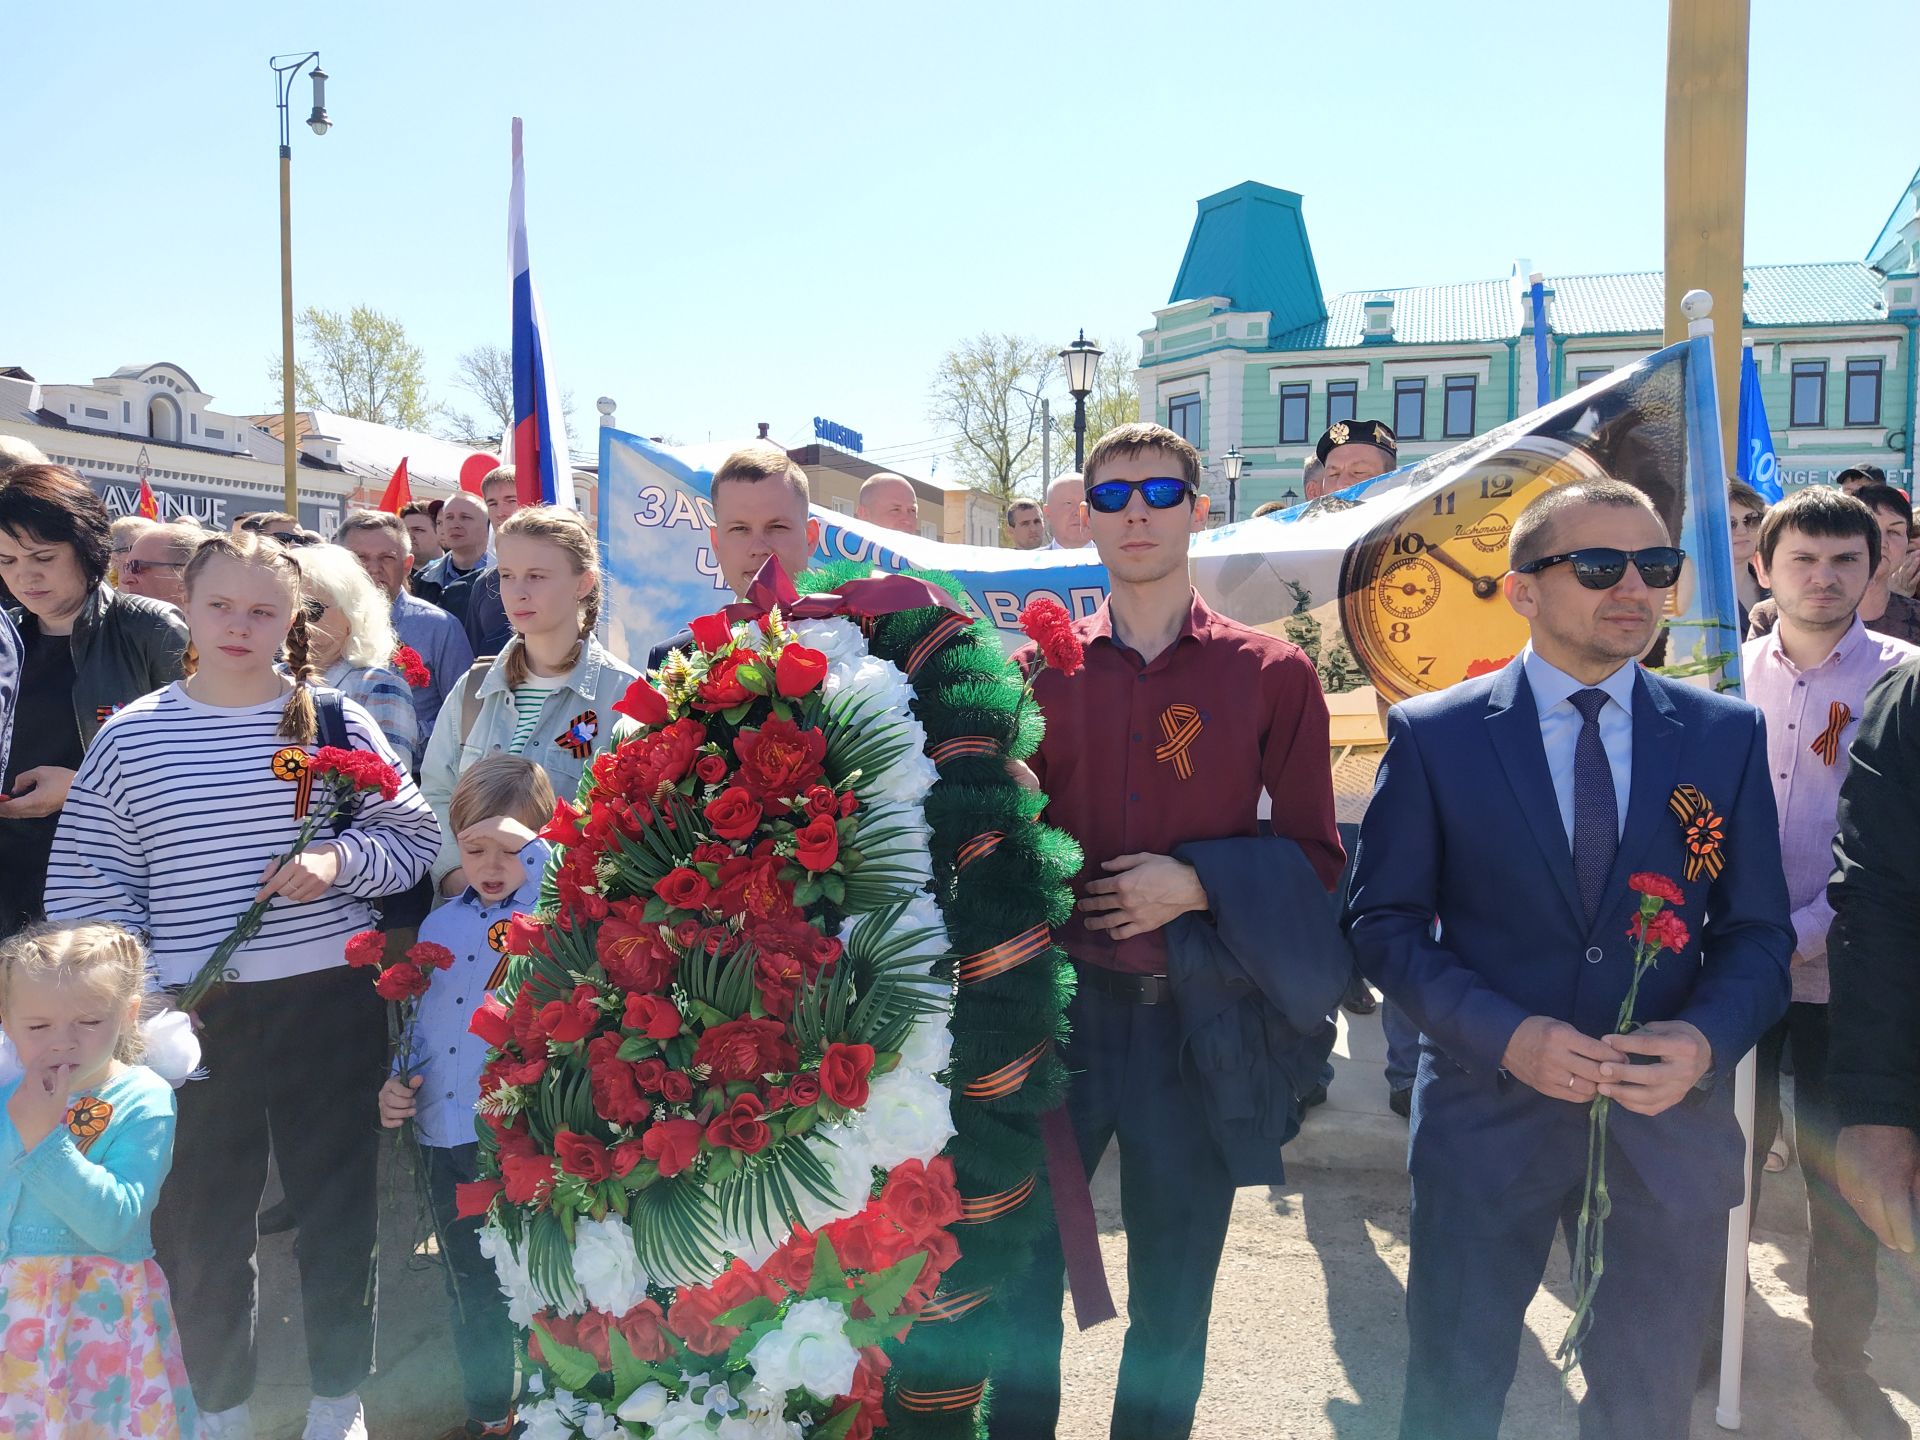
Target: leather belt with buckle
x,y
1129,989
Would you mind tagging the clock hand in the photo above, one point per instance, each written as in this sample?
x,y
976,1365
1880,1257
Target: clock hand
x,y
1484,586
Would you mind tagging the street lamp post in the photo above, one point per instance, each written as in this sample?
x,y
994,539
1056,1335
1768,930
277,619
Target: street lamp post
x,y
1082,359
1232,462
285,69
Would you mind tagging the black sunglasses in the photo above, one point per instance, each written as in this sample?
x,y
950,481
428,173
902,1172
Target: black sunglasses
x,y
1163,492
1601,567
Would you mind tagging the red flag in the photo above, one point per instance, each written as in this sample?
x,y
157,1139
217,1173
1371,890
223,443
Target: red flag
x,y
397,492
148,508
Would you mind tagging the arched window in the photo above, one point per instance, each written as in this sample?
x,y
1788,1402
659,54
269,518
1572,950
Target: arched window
x,y
163,419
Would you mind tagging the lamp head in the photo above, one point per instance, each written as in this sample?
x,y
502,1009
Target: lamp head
x,y
318,121
1082,358
1233,461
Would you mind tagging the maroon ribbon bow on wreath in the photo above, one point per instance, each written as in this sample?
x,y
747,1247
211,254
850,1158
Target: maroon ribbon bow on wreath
x,y
856,600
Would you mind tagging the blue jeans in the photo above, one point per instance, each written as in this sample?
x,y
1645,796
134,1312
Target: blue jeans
x,y
1403,1045
482,1336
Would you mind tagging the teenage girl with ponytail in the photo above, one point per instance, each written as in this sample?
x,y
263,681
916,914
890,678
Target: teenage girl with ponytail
x,y
549,694
173,827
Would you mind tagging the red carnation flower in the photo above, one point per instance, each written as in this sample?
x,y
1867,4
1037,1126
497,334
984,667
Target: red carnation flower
x,y
369,947
1668,931
357,770
799,671
429,956
403,981
1047,624
1647,882
412,668
614,1084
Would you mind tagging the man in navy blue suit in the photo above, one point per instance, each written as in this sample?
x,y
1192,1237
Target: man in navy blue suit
x,y
1490,899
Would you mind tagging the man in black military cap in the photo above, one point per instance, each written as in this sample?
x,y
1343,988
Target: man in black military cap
x,y
1356,450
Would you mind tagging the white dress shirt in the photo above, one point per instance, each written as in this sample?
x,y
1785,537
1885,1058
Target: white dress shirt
x,y
1560,726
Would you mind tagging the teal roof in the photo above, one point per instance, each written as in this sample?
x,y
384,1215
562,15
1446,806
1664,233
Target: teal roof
x,y
1833,293
1895,245
1249,244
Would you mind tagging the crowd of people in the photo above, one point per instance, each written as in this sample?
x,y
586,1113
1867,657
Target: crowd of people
x,y
165,687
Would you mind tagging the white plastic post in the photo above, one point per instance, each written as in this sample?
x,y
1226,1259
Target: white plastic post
x,y
1697,305
1733,1323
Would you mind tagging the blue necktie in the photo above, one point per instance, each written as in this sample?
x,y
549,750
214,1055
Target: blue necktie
x,y
1596,810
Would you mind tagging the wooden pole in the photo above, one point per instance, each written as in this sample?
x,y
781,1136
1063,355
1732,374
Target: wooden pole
x,y
288,443
1707,179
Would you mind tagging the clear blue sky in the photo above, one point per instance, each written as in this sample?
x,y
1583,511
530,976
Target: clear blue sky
x,y
768,212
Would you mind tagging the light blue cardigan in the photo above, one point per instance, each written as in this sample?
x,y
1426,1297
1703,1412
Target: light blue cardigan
x,y
56,1201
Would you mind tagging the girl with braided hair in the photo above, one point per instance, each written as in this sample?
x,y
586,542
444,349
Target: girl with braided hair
x,y
175,823
549,695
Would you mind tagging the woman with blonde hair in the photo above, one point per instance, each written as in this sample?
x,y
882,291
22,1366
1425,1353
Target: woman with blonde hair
x,y
549,695
350,641
180,818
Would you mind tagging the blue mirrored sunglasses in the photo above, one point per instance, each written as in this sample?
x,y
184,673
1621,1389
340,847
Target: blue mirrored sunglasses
x,y
1163,492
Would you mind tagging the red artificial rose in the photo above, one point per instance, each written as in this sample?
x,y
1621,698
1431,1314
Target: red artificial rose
x,y
711,852
650,1074
590,1335
429,956
686,934
672,1144
683,888
631,950
790,1266
1648,882
652,1016
827,950
475,1198
817,845
490,1023
779,759
869,1241
369,947
799,671
723,689
711,769
564,826
676,1087
745,1049
582,1155
733,814
803,1090
614,1085
739,1126
942,1250
695,1310
711,632
921,1198
843,1074
502,1071
626,1155
643,704
868,1394
526,1178
526,936
402,981
567,1022
820,800
644,1328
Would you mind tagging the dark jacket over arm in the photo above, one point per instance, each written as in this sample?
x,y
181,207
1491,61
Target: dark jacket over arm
x,y
1873,949
1253,981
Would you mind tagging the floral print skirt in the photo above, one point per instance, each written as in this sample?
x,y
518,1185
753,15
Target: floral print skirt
x,y
89,1351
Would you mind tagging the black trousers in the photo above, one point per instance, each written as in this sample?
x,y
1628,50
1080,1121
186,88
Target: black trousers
x,y
293,1068
1843,1288
1473,1272
1175,1198
482,1335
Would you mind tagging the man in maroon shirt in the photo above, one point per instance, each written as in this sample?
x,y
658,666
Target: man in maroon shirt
x,y
1178,721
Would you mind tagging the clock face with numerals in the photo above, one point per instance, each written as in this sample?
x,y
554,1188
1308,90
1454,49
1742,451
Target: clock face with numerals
x,y
1420,595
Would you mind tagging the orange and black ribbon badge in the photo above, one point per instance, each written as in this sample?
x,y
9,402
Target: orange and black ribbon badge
x,y
1705,832
1827,744
580,734
87,1120
497,942
1181,725
981,1209
998,1084
928,1402
293,764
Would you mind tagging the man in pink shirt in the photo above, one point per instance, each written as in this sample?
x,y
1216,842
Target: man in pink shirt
x,y
1810,675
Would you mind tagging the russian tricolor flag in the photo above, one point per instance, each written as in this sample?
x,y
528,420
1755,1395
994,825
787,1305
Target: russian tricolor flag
x,y
539,447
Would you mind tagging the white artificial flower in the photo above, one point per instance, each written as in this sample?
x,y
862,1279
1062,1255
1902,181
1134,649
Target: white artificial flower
x,y
545,1420
605,1265
928,1047
684,1419
645,1405
810,1351
596,1424
719,1400
515,1283
839,640
908,1117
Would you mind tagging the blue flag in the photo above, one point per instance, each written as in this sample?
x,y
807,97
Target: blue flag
x,y
1754,460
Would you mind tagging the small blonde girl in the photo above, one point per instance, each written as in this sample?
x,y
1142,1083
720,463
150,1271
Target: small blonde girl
x,y
88,1345
549,695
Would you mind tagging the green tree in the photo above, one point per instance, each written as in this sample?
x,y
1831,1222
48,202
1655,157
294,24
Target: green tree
x,y
986,392
360,365
1115,401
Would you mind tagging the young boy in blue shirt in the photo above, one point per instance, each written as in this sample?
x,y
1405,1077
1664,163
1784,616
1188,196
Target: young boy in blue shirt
x,y
496,809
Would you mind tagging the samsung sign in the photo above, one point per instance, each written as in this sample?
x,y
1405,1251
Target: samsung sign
x,y
839,435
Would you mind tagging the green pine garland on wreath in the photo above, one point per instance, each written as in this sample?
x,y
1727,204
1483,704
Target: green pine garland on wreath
x,y
969,688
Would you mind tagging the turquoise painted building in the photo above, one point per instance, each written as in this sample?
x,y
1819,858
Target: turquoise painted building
x,y
1249,350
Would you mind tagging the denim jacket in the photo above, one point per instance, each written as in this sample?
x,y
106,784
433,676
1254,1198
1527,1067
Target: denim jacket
x,y
74,1196
575,724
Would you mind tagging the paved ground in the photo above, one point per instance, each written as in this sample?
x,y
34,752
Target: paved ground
x,y
1308,1341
